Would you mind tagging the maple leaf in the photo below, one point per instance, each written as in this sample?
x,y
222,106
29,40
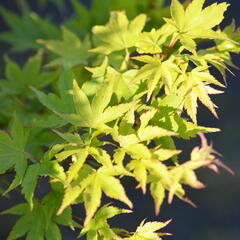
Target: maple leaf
x,y
99,225
74,106
229,32
157,73
47,168
195,22
71,49
148,231
12,152
154,41
43,215
196,86
19,80
25,30
91,184
119,33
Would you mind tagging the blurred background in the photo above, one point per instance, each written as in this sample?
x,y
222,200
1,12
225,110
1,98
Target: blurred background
x,y
218,214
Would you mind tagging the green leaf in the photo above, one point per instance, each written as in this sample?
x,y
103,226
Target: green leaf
x,y
73,190
12,148
26,29
164,154
19,209
81,102
139,172
21,227
112,187
71,49
151,132
195,22
114,112
119,33
102,99
81,20
153,41
158,193
98,75
92,198
178,14
157,73
101,156
148,230
43,216
48,168
99,225
138,150
29,182
53,232
19,80
79,159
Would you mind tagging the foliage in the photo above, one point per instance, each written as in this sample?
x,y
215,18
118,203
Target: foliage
x,y
111,105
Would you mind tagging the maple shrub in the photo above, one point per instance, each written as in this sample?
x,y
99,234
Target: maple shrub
x,y
84,114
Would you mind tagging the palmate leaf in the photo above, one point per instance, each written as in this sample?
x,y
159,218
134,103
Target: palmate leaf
x,y
12,152
71,49
143,166
48,168
134,138
185,173
99,225
148,231
229,32
196,86
119,33
64,103
19,80
157,73
91,184
153,42
41,221
121,87
74,107
25,30
169,118
98,75
195,22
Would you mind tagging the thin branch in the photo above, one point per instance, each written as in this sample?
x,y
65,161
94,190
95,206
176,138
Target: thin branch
x,y
169,49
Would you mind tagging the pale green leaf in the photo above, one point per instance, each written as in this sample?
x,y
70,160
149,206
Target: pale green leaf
x,y
164,154
71,50
119,33
102,99
178,14
92,198
158,193
112,187
79,159
151,132
81,102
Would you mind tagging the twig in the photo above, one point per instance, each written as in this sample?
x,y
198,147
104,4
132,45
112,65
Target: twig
x,y
168,50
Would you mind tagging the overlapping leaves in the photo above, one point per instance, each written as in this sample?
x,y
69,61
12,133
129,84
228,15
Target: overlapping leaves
x,y
41,222
121,121
71,50
195,22
75,107
119,33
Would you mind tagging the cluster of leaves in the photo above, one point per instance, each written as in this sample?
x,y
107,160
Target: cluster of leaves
x,y
107,107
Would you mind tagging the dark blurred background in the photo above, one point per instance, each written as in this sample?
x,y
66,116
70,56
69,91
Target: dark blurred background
x,y
218,214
